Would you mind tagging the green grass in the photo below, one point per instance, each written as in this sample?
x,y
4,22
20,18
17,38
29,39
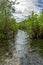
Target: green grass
x,y
8,29
33,25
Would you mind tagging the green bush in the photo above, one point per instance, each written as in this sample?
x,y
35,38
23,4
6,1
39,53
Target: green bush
x,y
33,25
8,26
8,29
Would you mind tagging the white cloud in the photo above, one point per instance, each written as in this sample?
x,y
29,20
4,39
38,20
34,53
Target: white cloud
x,y
25,7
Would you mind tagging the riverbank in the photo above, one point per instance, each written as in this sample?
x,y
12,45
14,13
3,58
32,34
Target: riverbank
x,y
22,51
33,25
8,29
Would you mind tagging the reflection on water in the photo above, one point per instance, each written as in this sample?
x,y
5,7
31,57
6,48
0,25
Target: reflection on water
x,y
22,51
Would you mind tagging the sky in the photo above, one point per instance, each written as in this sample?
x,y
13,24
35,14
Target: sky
x,y
24,8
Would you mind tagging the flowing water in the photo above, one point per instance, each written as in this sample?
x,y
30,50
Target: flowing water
x,y
21,51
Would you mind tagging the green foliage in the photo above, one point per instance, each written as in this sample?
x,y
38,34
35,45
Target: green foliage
x,y
33,25
7,23
22,25
37,46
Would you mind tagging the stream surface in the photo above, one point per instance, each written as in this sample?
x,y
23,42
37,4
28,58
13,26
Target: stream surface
x,y
22,51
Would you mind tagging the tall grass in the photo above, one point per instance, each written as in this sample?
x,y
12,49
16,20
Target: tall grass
x,y
33,25
8,26
8,29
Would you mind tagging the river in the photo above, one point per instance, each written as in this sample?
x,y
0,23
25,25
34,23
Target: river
x,y
22,51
